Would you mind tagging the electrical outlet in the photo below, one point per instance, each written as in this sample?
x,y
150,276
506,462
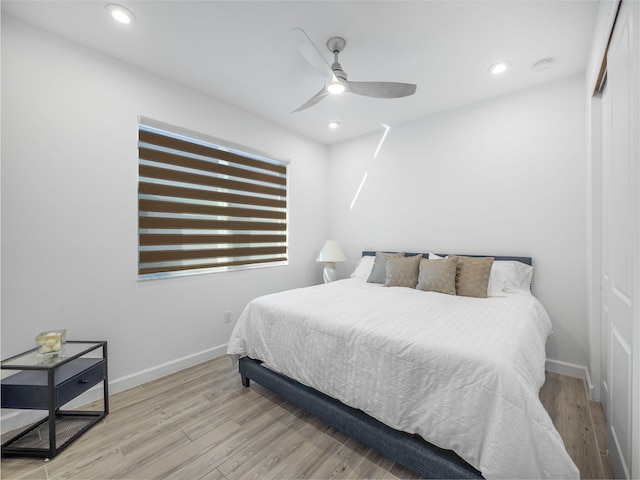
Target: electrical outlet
x,y
227,316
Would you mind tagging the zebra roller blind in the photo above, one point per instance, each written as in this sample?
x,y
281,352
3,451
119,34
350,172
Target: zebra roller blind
x,y
204,208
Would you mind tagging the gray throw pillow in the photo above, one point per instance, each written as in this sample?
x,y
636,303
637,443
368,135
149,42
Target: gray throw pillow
x,y
379,270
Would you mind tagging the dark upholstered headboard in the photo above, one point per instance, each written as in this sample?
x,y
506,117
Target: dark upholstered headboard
x,y
525,260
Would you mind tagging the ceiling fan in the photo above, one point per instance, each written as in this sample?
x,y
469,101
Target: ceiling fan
x,y
335,78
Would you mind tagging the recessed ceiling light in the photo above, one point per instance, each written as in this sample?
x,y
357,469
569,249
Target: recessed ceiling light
x,y
498,68
333,125
120,14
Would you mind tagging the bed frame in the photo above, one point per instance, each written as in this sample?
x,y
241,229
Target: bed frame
x,y
525,260
410,451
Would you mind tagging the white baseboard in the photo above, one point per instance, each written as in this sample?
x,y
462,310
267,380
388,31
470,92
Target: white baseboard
x,y
572,370
12,419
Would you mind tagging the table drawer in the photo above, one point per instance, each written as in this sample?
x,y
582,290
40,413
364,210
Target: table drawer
x,y
28,389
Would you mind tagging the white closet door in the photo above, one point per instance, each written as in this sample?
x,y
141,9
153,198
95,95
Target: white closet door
x,y
620,242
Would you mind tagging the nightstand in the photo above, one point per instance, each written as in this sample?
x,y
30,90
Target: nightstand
x,y
49,383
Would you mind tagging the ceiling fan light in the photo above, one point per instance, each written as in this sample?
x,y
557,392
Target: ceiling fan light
x,y
335,88
333,125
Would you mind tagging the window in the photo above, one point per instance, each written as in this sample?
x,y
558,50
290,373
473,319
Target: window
x,y
203,207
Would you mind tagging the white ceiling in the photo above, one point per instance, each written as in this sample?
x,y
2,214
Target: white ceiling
x,y
242,51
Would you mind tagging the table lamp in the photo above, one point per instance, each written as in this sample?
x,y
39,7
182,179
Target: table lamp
x,y
330,254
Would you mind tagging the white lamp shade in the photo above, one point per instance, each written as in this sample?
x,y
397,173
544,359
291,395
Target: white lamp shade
x,y
331,252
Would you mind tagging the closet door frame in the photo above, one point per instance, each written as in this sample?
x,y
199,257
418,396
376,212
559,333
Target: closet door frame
x,y
614,238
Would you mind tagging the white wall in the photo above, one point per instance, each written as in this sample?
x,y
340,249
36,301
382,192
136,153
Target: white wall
x,y
69,208
500,177
505,177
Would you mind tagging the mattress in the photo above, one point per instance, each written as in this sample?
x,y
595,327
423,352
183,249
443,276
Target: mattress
x,y
463,373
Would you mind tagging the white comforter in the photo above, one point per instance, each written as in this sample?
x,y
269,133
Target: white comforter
x,y
463,373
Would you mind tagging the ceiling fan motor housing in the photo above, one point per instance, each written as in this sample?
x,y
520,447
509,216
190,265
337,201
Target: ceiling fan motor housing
x,y
335,46
338,72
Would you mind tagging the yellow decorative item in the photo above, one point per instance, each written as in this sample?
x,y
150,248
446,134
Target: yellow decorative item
x,y
52,342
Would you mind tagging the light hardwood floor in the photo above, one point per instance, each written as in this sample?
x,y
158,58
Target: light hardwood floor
x,y
201,423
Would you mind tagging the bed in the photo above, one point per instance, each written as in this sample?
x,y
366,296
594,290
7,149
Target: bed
x,y
446,385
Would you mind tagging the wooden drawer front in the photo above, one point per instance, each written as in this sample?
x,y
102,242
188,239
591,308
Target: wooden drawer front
x,y
28,388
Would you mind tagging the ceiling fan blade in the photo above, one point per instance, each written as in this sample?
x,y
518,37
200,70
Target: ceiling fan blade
x,y
313,100
381,89
311,54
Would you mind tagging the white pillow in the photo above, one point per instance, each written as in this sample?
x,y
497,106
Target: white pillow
x,y
522,280
364,267
500,272
509,276
433,255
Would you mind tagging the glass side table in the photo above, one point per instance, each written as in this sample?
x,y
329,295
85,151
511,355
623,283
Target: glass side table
x,y
48,382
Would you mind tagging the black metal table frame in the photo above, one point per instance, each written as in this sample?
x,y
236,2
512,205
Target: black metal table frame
x,y
54,412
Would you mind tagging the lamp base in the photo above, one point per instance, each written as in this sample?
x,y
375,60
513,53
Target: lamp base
x,y
329,274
